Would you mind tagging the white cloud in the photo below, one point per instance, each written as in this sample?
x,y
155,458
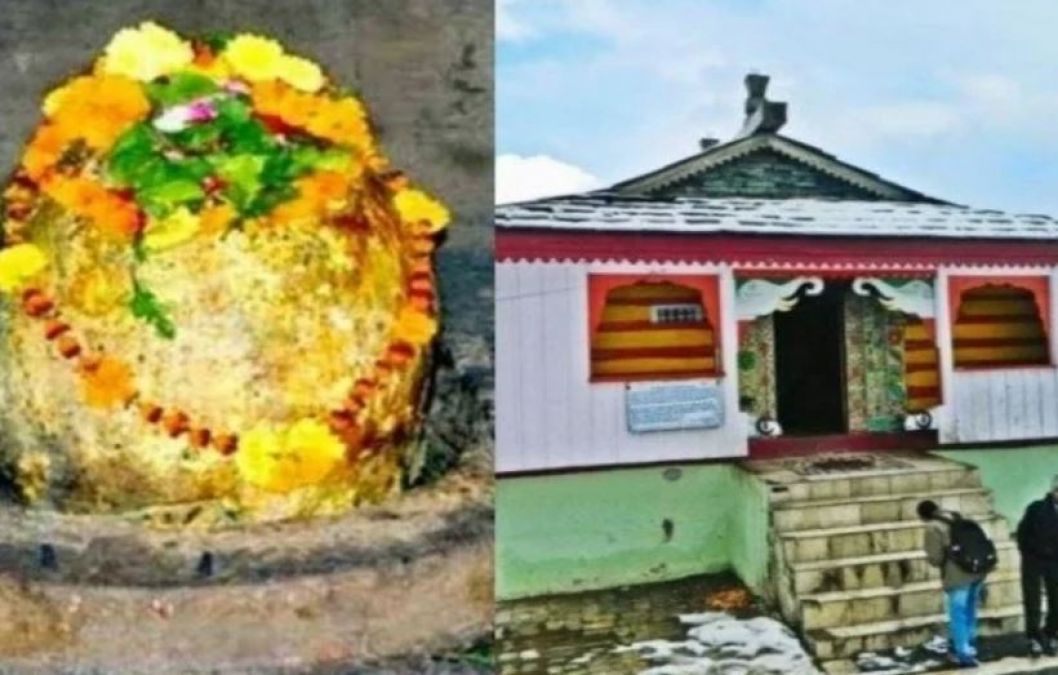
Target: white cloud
x,y
521,178
509,26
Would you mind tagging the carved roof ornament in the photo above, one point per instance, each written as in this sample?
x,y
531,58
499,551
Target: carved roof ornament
x,y
914,297
760,297
762,116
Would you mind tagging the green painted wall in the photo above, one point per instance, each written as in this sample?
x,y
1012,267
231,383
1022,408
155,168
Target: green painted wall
x,y
1016,476
590,530
749,531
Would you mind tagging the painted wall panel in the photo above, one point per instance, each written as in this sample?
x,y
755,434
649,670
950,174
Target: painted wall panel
x,y
543,366
589,530
1016,476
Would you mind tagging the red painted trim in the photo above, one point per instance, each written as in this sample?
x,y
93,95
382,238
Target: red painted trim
x,y
915,345
786,446
1003,364
884,253
704,352
993,319
920,367
648,301
620,326
967,343
923,392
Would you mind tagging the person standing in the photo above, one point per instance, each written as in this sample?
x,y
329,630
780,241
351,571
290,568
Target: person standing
x,y
962,589
1038,544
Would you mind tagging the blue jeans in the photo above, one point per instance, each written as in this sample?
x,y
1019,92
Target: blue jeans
x,y
962,619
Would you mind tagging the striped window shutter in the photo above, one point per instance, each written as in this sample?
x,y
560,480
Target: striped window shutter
x,y
921,366
999,326
653,330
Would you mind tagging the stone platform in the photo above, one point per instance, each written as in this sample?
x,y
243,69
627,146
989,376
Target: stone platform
x,y
101,594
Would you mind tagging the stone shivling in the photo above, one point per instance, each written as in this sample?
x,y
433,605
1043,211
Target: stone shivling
x,y
217,293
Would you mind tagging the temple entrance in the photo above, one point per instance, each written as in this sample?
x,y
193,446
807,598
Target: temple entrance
x,y
810,364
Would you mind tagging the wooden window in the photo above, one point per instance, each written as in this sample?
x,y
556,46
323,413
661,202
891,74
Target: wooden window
x,y
1000,323
653,327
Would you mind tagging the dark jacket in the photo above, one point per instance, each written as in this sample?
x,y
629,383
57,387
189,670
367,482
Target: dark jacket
x,y
1038,530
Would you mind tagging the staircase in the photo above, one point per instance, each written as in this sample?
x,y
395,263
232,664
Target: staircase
x,y
847,564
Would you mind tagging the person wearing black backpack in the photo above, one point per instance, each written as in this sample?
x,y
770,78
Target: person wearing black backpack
x,y
1038,544
959,547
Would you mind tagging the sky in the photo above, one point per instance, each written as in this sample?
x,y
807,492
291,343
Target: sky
x,y
955,98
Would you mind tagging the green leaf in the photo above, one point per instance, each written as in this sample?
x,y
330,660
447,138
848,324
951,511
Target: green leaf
x,y
161,199
242,173
180,88
232,112
145,306
197,137
307,158
279,169
139,251
218,41
334,159
193,168
132,150
268,199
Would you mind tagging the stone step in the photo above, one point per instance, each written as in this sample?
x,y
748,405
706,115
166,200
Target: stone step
x,y
846,642
918,480
842,512
849,608
874,571
862,540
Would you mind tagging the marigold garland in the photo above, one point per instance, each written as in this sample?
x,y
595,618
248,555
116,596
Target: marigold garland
x,y
169,141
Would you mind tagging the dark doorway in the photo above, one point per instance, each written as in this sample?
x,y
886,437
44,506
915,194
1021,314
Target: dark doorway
x,y
810,363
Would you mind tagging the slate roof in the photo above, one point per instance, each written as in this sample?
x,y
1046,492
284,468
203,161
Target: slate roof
x,y
611,212
650,183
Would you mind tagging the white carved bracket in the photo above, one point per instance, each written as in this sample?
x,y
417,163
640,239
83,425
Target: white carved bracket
x,y
914,297
758,297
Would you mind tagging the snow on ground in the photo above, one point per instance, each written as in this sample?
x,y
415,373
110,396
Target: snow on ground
x,y
719,643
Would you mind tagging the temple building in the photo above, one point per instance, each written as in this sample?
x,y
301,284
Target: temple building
x,y
758,359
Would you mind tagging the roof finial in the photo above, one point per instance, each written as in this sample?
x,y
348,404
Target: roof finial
x,y
762,116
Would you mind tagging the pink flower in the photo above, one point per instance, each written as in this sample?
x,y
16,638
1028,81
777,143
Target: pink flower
x,y
180,117
236,87
201,110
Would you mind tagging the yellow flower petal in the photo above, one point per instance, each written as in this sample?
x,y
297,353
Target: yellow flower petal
x,y
253,57
300,73
415,327
281,460
99,291
53,101
146,52
19,264
108,384
415,206
258,456
177,228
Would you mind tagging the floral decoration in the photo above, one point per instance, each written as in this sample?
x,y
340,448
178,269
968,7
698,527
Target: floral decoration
x,y
169,141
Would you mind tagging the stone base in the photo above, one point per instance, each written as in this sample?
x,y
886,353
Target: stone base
x,y
413,576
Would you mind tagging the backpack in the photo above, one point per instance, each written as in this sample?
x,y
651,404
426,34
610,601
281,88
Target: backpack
x,y
970,549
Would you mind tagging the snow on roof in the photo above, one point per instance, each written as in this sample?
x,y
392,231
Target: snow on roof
x,y
602,211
